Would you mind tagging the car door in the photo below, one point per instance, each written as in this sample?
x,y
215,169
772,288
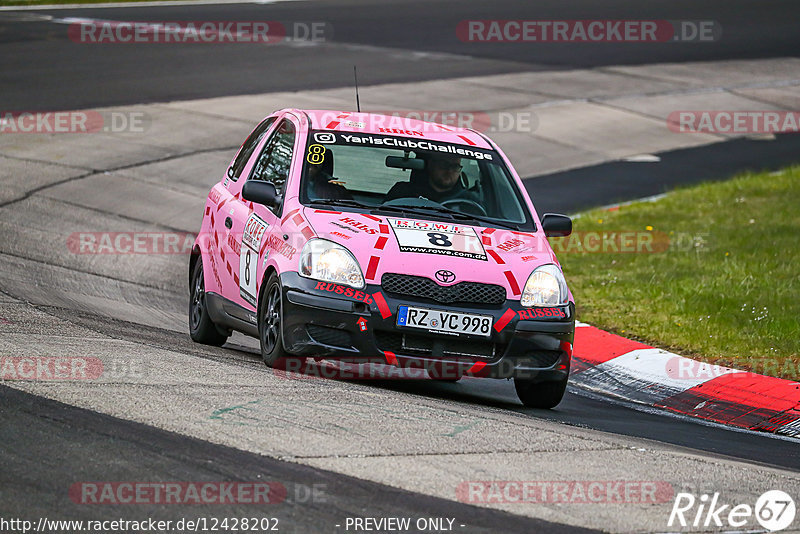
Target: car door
x,y
272,164
225,233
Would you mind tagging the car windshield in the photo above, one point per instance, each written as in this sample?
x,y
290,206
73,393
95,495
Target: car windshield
x,y
416,176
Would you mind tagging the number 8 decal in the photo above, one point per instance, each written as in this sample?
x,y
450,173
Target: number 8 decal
x,y
316,154
247,268
440,240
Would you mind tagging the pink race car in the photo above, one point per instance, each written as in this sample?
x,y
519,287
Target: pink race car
x,y
377,238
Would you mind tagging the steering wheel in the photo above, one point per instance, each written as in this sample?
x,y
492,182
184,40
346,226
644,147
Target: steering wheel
x,y
466,202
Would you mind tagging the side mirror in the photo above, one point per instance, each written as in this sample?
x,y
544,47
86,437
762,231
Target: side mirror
x,y
261,193
556,225
230,171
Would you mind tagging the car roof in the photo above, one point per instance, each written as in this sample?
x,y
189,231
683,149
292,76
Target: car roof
x,y
400,124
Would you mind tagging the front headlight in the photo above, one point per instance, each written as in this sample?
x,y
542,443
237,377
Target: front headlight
x,y
546,286
330,262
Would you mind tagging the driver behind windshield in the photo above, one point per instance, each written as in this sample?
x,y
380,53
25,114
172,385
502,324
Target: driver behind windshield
x,y
441,182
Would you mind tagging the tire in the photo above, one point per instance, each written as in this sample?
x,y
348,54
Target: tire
x,y
540,394
270,324
201,328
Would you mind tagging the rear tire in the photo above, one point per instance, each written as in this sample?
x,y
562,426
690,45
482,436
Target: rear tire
x,y
201,328
270,324
540,394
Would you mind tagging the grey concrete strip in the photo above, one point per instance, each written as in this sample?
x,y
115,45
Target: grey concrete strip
x,y
785,97
740,72
534,155
115,194
20,176
143,133
595,83
193,174
77,242
108,296
660,106
613,132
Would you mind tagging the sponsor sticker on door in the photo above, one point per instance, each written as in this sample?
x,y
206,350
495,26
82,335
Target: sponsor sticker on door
x,y
254,231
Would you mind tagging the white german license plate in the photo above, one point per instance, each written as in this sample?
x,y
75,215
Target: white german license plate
x,y
444,321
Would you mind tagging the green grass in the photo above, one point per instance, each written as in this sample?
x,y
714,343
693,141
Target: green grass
x,y
725,291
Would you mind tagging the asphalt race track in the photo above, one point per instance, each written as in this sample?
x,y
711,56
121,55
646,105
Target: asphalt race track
x,y
177,411
395,40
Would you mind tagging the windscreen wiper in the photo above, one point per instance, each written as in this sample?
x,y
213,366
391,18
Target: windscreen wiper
x,y
466,216
419,210
341,202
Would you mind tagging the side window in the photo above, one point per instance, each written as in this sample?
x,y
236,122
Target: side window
x,y
274,162
248,147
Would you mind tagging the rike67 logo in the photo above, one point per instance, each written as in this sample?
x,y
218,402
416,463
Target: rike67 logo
x,y
774,510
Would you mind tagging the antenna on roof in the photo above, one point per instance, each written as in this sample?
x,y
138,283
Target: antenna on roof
x,y
355,76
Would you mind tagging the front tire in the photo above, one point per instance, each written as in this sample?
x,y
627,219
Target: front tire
x,y
270,324
540,394
201,328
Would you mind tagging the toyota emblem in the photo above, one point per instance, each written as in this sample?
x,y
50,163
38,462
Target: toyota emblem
x,y
445,276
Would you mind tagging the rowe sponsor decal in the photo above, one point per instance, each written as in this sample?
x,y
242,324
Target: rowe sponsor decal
x,y
437,238
254,230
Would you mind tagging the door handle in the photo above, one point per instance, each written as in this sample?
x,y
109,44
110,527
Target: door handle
x,y
228,223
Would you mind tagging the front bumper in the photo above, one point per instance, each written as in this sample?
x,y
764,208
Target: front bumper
x,y
361,327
